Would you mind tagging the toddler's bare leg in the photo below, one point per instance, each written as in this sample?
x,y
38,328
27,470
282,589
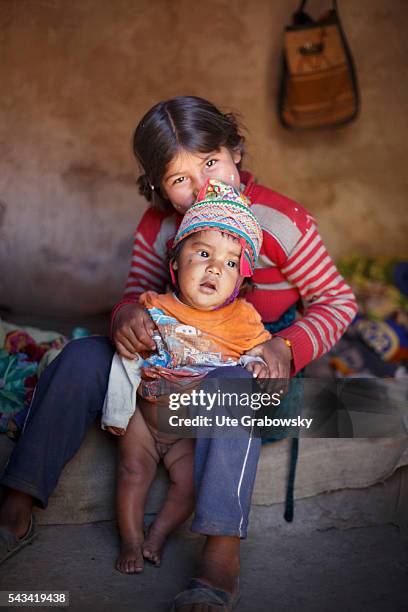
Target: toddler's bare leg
x,y
179,503
136,471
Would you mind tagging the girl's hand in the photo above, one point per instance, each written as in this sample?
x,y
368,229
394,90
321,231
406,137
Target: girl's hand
x,y
132,331
116,431
278,357
258,369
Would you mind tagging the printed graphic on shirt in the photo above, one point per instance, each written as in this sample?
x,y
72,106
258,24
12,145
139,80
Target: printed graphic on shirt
x,y
180,345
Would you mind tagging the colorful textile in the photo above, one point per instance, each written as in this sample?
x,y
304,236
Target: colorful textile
x,y
222,207
377,342
388,339
351,357
20,358
293,265
379,283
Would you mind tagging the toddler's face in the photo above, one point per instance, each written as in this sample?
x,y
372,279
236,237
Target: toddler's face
x,y
187,173
208,269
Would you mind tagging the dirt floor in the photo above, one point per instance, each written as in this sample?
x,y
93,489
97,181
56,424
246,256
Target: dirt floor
x,y
357,570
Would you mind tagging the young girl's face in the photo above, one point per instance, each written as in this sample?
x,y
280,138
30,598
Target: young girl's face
x,y
208,269
187,172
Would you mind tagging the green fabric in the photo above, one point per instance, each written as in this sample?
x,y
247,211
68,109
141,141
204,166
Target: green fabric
x,y
13,372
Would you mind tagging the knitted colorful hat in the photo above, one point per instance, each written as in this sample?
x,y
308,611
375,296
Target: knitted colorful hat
x,y
222,207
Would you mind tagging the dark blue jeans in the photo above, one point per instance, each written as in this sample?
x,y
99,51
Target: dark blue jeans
x,y
68,399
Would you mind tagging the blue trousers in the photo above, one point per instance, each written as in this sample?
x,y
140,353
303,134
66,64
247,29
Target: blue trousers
x,y
225,469
68,399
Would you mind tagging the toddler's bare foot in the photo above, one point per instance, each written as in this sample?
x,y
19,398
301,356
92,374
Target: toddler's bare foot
x,y
153,545
130,560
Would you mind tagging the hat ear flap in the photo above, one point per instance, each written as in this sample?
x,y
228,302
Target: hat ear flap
x,y
244,267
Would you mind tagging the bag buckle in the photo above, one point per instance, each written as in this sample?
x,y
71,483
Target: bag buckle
x,y
311,48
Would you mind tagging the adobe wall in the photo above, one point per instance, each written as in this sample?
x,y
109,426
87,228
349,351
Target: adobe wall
x,y
76,78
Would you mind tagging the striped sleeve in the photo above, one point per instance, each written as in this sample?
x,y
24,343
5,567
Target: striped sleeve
x,y
147,268
330,305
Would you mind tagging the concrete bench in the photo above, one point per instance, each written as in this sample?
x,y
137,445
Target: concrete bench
x,y
339,482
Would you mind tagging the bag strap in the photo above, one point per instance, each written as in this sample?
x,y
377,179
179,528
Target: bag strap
x,y
300,17
289,504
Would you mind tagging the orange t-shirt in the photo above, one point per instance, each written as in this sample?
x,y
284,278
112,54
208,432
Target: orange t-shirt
x,y
205,337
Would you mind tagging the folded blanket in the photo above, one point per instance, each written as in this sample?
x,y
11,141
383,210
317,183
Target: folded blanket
x,y
23,354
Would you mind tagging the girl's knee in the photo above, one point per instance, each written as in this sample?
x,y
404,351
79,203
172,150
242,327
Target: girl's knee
x,y
85,353
229,372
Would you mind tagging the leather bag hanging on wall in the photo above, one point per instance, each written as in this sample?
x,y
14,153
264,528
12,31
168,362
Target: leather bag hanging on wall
x,y
318,83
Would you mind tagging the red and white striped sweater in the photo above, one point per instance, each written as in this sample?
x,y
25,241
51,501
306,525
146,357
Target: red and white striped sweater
x,y
293,265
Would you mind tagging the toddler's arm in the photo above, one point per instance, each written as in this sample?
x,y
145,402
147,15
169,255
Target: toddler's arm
x,y
253,362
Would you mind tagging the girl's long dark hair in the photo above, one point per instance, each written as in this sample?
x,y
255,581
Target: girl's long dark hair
x,y
184,122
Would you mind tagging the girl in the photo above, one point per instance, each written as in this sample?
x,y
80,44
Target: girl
x,y
180,143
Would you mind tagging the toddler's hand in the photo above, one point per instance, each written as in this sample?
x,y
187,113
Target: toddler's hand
x,y
116,431
258,369
146,296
